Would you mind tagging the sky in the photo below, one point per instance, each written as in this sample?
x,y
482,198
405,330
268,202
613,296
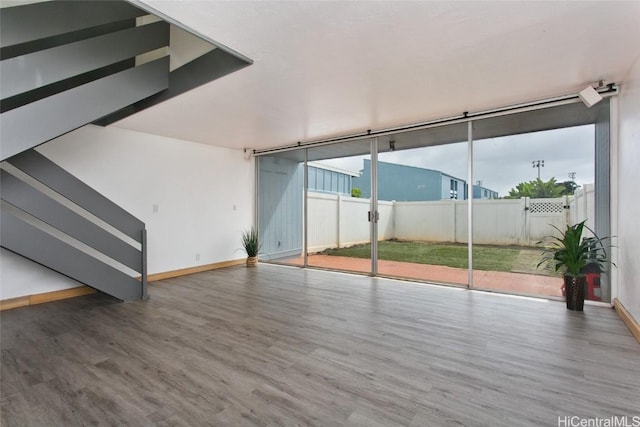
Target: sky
x,y
502,163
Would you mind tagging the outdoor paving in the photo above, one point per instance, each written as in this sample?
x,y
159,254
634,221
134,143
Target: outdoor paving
x,y
512,282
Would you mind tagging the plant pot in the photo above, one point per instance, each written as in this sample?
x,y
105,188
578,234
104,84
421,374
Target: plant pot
x,y
575,288
252,261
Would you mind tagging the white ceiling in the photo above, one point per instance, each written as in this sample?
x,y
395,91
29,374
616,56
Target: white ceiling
x,y
332,68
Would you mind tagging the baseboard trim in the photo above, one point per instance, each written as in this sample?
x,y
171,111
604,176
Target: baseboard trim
x,y
193,270
24,301
8,304
627,318
27,300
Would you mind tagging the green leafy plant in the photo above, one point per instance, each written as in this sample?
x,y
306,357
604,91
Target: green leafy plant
x,y
250,242
356,192
537,189
570,252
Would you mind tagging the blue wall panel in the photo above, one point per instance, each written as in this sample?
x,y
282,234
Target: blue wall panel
x,y
280,207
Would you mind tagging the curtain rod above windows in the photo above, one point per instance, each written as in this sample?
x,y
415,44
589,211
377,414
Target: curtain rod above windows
x,y
607,91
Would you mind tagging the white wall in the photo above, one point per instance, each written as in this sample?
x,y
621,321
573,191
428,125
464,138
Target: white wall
x,y
204,195
628,241
20,277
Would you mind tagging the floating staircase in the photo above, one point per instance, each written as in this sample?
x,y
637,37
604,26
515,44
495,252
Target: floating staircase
x,y
65,64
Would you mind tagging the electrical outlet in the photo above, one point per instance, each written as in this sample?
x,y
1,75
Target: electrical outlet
x,y
155,208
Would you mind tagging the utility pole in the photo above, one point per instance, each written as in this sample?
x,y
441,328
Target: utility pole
x,y
538,164
572,176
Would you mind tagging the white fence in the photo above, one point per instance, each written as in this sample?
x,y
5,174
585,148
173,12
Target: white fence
x,y
582,205
339,221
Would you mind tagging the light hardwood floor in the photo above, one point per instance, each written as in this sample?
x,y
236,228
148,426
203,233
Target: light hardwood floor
x,y
287,346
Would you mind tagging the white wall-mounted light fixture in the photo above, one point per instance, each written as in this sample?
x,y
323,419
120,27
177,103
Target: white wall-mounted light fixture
x,y
590,96
248,152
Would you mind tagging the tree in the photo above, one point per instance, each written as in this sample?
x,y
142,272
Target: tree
x,y
568,187
356,192
537,189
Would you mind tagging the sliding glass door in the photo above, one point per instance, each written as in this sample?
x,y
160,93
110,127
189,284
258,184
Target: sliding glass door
x,y
526,186
422,191
399,204
338,207
541,176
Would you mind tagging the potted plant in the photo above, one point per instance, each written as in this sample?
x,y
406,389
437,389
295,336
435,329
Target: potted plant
x,y
571,253
251,246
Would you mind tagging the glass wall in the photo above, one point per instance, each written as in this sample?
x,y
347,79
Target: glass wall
x,y
526,186
530,172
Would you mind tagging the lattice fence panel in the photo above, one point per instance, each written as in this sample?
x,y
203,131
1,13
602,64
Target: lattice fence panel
x,y
546,207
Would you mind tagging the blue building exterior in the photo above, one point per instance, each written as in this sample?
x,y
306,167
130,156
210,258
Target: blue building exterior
x,y
329,180
480,192
404,183
410,184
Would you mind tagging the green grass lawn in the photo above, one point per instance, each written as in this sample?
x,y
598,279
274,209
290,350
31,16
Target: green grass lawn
x,y
490,258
